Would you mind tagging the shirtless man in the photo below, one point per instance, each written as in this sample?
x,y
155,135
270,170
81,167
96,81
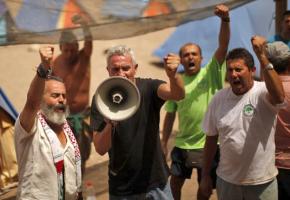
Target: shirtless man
x,y
73,66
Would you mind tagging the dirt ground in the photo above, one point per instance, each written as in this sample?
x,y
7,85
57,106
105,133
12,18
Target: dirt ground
x,y
18,64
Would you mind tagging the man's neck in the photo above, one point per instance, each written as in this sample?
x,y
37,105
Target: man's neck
x,y
55,127
58,129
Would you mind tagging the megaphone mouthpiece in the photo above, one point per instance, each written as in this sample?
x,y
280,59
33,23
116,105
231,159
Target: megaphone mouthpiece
x,y
117,98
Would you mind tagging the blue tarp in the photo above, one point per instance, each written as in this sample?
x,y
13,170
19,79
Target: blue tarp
x,y
255,18
39,16
41,21
7,105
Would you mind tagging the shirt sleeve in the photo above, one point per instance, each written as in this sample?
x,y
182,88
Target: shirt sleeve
x,y
216,72
21,133
170,106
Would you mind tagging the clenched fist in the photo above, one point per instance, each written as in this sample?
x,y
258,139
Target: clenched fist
x,y
46,55
259,44
171,63
222,11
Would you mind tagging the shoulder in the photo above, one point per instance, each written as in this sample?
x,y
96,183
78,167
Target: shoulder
x,y
148,82
260,86
221,95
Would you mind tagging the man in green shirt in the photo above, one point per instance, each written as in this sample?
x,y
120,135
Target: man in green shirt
x,y
200,86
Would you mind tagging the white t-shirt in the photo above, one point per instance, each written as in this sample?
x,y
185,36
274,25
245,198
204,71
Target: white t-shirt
x,y
37,172
245,125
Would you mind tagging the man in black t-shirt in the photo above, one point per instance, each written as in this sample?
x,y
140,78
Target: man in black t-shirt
x,y
137,166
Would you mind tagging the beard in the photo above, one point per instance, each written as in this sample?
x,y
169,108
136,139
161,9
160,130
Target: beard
x,y
55,117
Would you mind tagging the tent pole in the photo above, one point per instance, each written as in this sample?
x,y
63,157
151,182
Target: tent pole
x,y
281,7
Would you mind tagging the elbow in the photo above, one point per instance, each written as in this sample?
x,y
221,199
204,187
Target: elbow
x,y
180,95
100,151
281,99
100,148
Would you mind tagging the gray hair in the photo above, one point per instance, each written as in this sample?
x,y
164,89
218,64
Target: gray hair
x,y
120,50
278,54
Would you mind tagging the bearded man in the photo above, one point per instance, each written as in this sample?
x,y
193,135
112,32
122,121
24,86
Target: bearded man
x,y
47,152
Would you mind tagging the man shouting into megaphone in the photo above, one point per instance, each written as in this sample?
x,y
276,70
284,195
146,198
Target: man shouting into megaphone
x,y
137,166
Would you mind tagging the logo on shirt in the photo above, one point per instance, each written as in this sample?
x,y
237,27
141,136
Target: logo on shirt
x,y
248,110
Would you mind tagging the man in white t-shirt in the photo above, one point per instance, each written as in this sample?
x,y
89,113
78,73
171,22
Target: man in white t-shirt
x,y
242,119
47,152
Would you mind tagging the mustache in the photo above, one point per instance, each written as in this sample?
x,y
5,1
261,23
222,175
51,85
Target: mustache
x,y
58,106
53,116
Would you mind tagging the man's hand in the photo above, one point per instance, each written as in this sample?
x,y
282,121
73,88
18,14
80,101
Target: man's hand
x,y
222,11
79,20
205,188
259,45
46,55
171,63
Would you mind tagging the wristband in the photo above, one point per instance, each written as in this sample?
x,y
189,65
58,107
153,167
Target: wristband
x,y
269,67
226,19
42,72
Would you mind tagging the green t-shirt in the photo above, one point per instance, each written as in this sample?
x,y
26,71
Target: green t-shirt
x,y
199,90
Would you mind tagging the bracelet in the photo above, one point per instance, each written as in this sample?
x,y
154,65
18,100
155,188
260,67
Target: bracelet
x,y
42,72
269,67
226,19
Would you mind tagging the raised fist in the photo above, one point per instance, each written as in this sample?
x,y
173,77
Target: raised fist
x,y
46,55
171,63
222,11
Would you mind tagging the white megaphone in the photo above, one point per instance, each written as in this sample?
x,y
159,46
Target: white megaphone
x,y
117,98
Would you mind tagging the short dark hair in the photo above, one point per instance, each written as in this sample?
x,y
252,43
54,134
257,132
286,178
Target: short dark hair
x,y
189,44
242,53
286,13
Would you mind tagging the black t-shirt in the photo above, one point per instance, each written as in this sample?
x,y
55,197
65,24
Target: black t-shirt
x,y
137,163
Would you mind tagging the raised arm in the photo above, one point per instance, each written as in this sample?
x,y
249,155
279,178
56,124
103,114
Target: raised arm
x,y
271,78
88,39
174,90
35,92
222,12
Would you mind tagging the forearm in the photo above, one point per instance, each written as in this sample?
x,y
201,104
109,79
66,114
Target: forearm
x,y
32,105
103,140
176,87
87,32
88,39
35,92
210,149
224,35
167,127
272,81
224,39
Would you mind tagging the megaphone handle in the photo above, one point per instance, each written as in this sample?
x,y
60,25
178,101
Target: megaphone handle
x,y
113,123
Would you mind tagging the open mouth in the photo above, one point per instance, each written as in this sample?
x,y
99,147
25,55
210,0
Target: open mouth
x,y
59,108
191,65
237,83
